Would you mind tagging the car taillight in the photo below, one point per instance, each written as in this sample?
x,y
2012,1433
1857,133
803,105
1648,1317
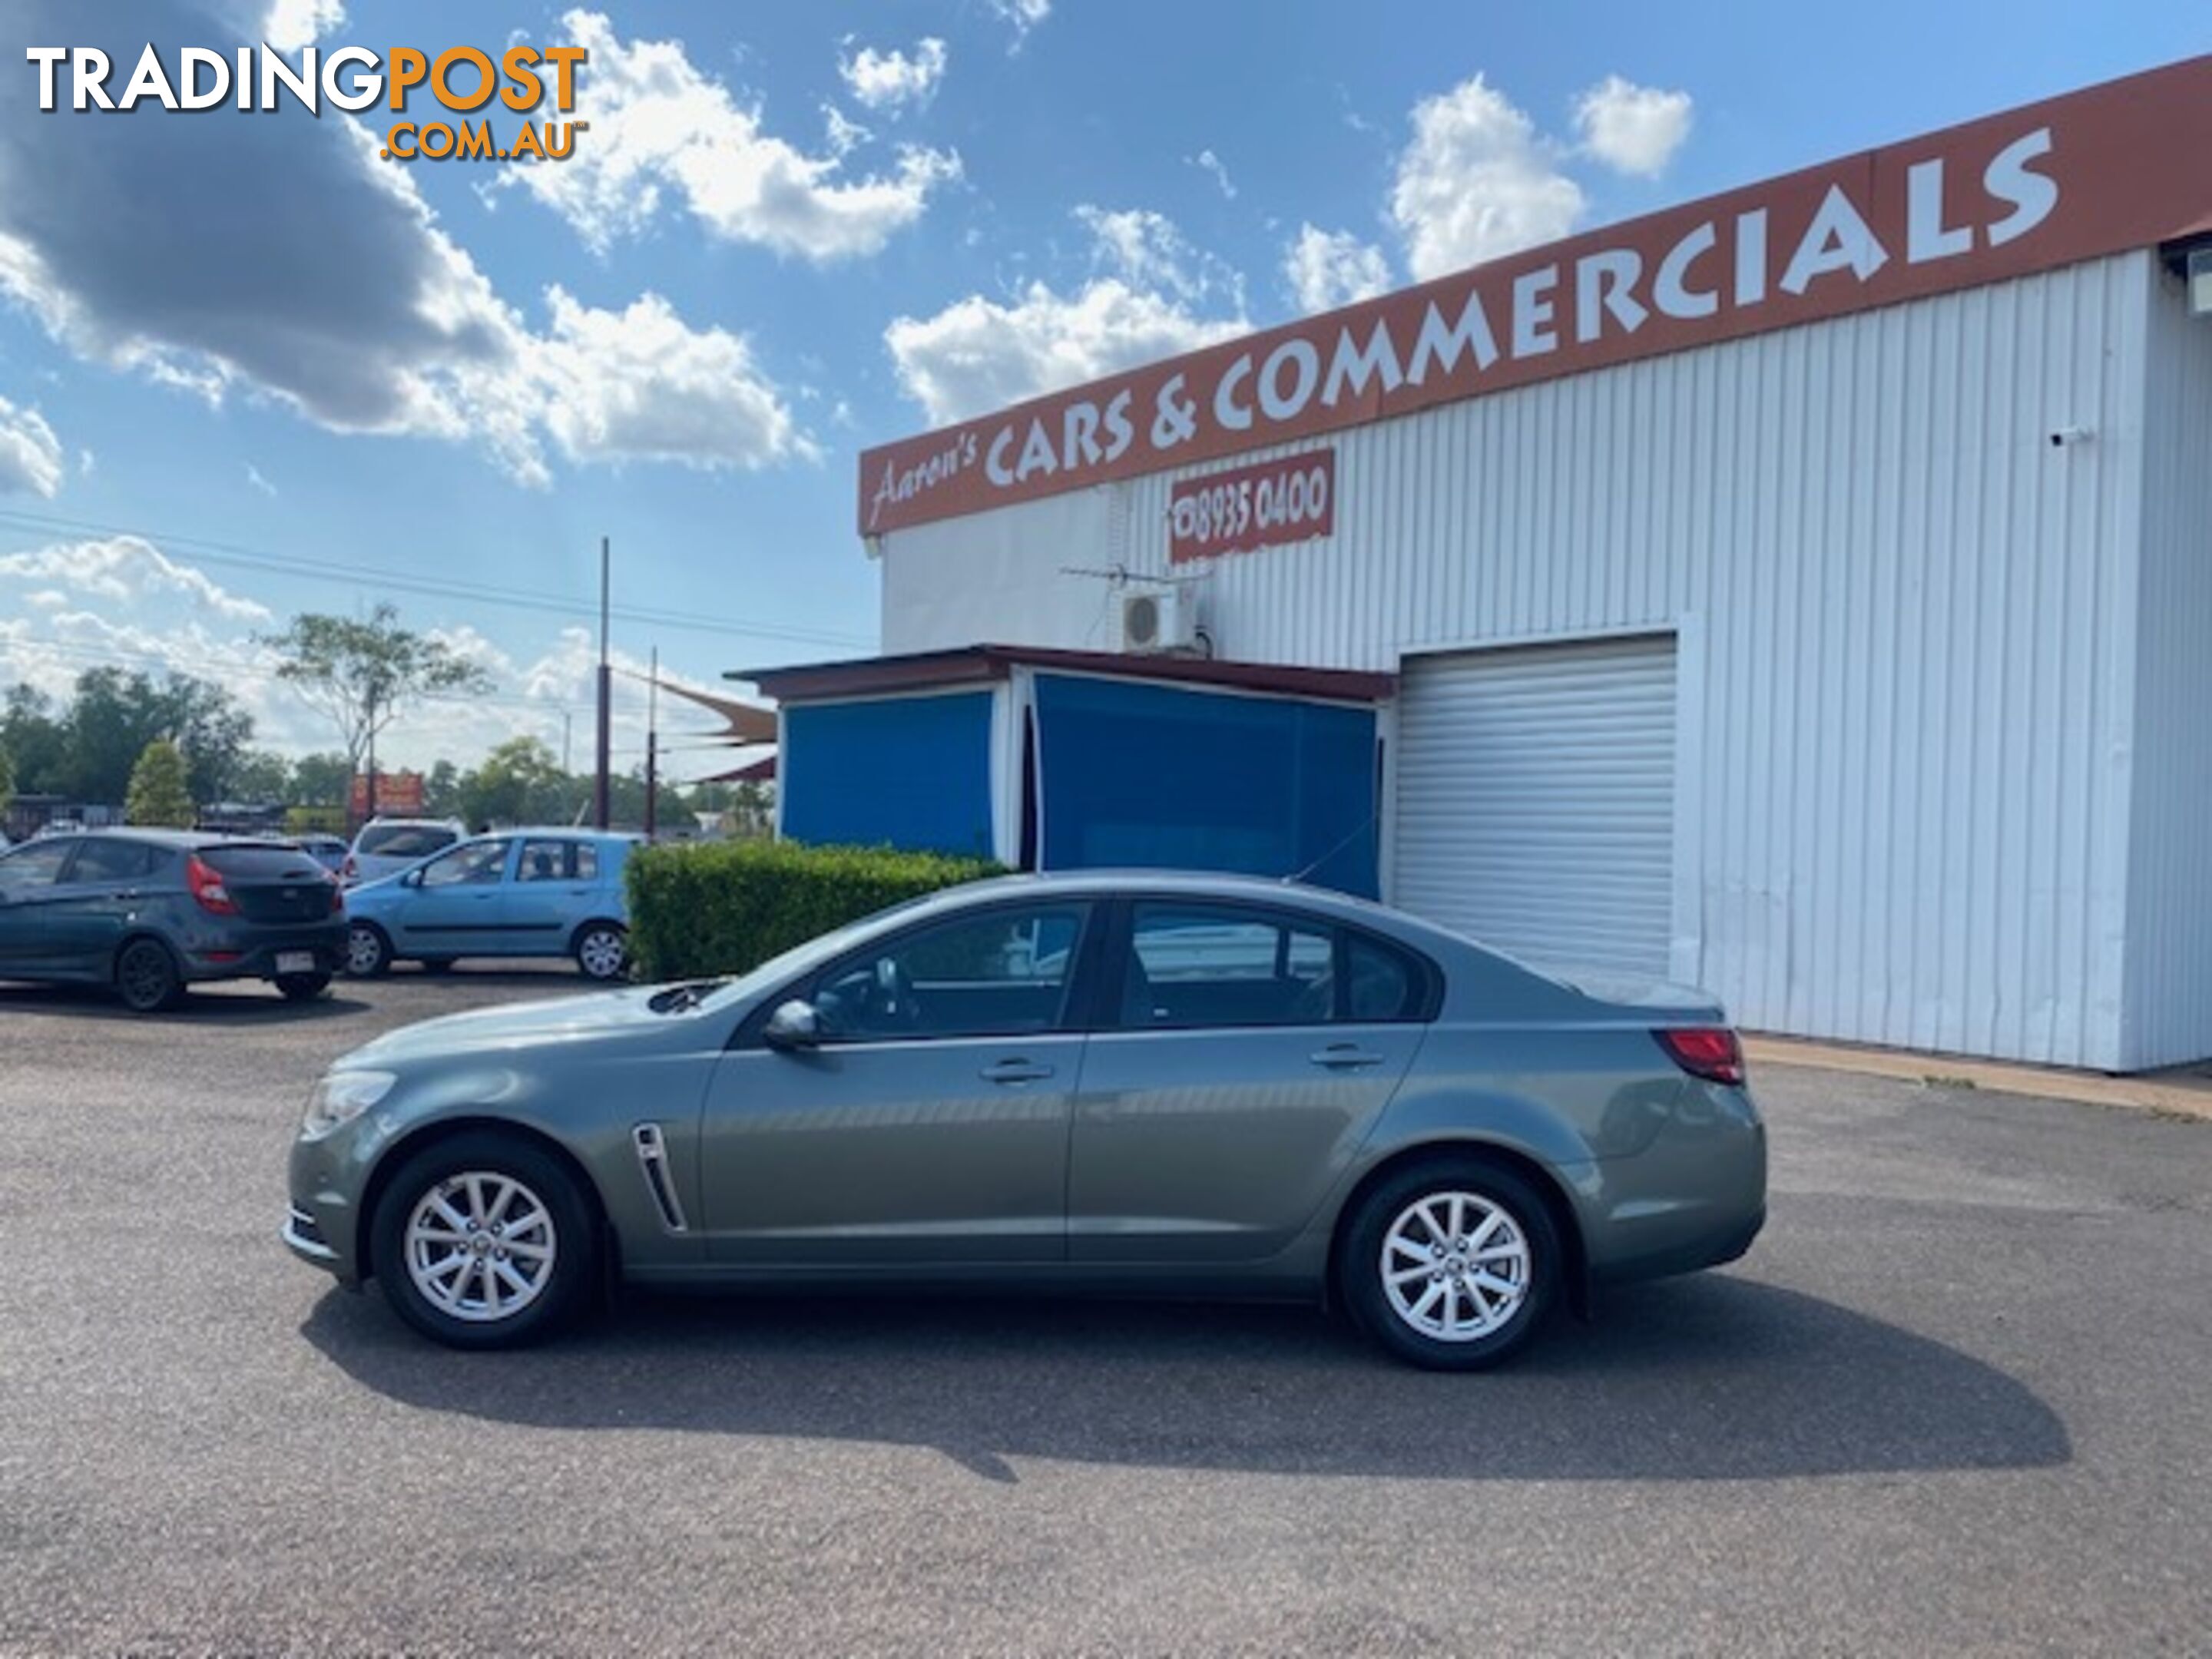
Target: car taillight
x,y
1711,1052
208,891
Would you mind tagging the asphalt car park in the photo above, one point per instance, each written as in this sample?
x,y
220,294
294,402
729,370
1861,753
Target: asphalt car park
x,y
1953,1399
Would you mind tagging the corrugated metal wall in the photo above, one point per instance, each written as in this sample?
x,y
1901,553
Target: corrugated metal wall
x,y
1908,624
2169,946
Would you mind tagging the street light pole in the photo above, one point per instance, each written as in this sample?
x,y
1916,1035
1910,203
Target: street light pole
x,y
653,746
599,786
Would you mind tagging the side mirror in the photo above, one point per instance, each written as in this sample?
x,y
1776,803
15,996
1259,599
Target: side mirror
x,y
793,1027
412,878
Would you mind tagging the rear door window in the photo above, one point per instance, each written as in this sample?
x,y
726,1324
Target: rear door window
x,y
102,860
557,861
1200,965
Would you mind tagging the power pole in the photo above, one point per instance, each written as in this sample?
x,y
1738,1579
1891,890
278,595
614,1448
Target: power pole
x,y
599,786
653,746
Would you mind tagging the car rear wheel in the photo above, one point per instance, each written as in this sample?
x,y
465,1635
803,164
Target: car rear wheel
x,y
302,987
484,1241
603,951
147,978
1451,1264
368,953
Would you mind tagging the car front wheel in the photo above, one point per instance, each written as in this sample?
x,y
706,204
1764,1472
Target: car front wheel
x,y
484,1241
603,951
1451,1264
368,953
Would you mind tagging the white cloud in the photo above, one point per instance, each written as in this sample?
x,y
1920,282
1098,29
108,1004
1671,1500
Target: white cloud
x,y
1147,252
663,133
290,24
981,354
1633,129
129,571
639,385
892,80
30,455
1024,14
1477,182
1207,161
364,316
1328,269
254,478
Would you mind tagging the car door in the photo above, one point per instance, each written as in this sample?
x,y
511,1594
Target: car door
x,y
457,906
930,1124
1250,1049
556,879
102,892
30,889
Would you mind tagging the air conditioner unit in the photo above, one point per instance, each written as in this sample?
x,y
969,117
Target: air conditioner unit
x,y
1162,621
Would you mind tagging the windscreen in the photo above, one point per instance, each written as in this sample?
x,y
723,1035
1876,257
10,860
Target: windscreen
x,y
403,841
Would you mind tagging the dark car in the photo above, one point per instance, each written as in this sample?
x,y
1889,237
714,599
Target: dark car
x,y
151,911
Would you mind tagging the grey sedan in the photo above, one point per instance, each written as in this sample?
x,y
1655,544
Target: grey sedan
x,y
1121,1083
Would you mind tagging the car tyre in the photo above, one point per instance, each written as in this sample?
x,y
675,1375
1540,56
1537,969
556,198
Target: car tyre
x,y
603,951
302,987
1451,1264
368,952
468,1190
147,977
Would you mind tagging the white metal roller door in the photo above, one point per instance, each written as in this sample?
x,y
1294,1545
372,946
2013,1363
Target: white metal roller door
x,y
1535,800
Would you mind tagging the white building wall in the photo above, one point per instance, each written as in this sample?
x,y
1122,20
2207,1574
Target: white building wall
x,y
2169,937
1914,687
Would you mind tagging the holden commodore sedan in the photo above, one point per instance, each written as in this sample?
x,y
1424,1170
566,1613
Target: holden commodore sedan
x,y
1125,1082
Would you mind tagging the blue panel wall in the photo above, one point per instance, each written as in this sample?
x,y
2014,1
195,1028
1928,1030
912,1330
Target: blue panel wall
x,y
913,773
1151,777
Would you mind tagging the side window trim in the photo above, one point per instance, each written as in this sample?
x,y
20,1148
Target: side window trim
x,y
807,986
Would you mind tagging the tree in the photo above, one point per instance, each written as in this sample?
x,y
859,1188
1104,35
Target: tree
x,y
441,791
33,737
321,781
159,795
361,674
114,715
520,782
7,782
261,777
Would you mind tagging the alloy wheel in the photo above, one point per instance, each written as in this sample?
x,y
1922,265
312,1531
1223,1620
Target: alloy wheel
x,y
481,1247
1455,1267
602,953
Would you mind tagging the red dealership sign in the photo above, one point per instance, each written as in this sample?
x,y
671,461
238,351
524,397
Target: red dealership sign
x,y
1291,499
2116,167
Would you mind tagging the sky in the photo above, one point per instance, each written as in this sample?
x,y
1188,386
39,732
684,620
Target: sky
x,y
249,367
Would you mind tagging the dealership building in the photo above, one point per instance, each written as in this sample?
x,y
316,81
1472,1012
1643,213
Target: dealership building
x,y
1806,592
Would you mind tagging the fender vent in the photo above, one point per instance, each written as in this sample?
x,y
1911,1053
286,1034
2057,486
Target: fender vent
x,y
653,1160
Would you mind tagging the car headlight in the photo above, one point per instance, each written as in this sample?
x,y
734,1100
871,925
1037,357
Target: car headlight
x,y
341,1097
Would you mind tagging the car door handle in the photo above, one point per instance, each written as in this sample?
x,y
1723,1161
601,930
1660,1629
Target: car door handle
x,y
1016,1071
1345,1057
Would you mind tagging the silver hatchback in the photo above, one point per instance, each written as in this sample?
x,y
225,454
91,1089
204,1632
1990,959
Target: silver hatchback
x,y
1127,1082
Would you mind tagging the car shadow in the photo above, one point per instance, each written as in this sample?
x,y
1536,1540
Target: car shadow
x,y
1711,1378
244,1003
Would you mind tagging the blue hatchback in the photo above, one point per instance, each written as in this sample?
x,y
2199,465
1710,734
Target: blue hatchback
x,y
519,893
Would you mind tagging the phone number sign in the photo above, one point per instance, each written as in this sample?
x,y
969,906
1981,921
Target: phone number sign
x,y
1273,504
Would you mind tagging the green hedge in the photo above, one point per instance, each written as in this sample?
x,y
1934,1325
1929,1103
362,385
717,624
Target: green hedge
x,y
724,907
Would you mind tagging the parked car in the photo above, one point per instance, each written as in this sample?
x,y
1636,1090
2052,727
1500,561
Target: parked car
x,y
520,893
151,911
329,851
385,847
1152,1082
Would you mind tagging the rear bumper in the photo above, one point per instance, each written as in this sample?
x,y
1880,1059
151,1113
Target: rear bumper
x,y
1691,1255
252,952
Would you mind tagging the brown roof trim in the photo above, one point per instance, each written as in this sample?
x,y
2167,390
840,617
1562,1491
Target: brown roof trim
x,y
984,664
